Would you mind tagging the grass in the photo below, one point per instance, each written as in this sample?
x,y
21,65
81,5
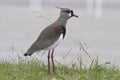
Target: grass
x,y
35,70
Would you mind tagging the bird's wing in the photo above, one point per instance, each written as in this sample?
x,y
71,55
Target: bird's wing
x,y
48,36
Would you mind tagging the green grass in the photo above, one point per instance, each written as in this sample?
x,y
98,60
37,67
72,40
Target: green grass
x,y
35,70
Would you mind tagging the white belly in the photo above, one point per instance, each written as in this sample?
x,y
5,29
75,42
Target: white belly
x,y
56,43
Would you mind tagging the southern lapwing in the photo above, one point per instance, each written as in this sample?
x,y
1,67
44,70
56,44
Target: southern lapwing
x,y
51,36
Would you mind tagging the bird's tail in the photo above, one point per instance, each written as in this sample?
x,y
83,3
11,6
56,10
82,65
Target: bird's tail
x,y
34,47
28,53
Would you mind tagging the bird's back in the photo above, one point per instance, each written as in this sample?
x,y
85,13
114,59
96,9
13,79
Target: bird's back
x,y
46,38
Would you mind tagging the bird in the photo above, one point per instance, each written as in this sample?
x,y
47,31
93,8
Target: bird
x,y
51,36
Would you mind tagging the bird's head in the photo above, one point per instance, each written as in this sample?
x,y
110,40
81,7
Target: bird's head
x,y
66,12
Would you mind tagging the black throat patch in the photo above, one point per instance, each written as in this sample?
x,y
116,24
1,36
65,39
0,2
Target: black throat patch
x,y
63,31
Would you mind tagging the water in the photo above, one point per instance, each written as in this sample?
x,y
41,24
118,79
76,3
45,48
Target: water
x,y
19,28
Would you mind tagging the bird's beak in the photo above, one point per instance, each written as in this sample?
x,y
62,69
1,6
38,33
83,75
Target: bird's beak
x,y
73,15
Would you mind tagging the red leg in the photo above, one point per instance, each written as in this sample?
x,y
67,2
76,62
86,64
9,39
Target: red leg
x,y
49,62
53,61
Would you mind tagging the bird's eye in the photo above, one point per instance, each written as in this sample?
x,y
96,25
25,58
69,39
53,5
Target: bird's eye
x,y
68,11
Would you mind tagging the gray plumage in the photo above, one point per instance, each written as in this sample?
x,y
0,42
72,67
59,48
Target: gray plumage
x,y
51,33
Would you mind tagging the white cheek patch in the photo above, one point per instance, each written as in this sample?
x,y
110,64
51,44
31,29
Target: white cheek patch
x,y
69,14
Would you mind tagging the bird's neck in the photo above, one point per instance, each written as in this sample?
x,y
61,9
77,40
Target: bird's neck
x,y
62,20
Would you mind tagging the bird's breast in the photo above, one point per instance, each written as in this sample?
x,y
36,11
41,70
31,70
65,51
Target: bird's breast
x,y
56,43
57,31
60,30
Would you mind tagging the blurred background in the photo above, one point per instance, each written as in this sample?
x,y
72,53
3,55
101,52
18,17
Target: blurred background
x,y
97,28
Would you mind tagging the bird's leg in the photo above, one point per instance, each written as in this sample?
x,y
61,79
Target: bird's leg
x,y
48,62
53,61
